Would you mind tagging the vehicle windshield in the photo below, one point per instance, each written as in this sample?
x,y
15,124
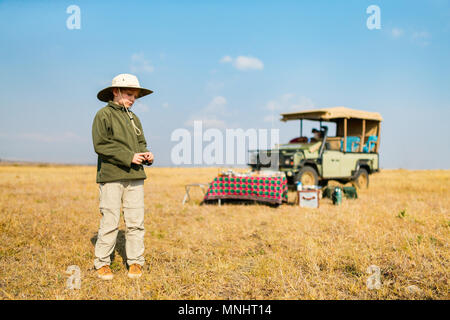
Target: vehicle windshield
x,y
310,132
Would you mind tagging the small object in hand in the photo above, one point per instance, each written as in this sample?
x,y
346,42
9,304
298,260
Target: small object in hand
x,y
147,163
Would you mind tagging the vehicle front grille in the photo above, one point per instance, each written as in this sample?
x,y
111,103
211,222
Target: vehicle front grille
x,y
286,159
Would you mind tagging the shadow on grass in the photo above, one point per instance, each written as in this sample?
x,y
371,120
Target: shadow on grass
x,y
240,202
119,248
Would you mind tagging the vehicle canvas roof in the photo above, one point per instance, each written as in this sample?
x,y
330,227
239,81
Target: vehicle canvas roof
x,y
329,114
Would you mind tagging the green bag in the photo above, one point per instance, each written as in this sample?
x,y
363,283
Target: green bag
x,y
350,193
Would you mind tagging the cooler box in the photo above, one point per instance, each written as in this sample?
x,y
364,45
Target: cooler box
x,y
308,198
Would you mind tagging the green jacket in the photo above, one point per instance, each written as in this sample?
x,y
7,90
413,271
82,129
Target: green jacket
x,y
115,142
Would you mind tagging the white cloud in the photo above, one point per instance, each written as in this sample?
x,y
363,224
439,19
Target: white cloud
x,y
248,63
287,96
226,59
212,115
421,35
286,103
396,32
217,105
244,62
207,122
302,103
422,38
67,136
213,87
140,107
273,105
271,118
140,64
219,100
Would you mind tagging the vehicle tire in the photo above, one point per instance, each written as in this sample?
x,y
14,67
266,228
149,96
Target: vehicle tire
x,y
362,179
307,176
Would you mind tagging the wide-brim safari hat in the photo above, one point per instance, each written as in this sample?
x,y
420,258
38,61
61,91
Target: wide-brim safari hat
x,y
123,80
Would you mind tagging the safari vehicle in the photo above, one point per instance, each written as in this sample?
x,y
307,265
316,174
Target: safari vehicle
x,y
349,156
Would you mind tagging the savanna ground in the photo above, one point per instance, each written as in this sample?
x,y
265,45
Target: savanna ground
x,y
49,220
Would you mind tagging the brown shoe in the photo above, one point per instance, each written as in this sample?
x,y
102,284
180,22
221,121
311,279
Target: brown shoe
x,y
105,273
135,271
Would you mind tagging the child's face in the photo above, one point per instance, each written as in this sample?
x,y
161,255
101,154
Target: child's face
x,y
126,97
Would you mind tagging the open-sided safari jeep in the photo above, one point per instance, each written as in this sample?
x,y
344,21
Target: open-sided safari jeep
x,y
350,156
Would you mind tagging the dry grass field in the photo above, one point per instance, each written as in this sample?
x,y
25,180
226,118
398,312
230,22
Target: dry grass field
x,y
49,220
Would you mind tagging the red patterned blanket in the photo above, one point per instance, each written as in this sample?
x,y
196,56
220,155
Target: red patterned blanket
x,y
267,189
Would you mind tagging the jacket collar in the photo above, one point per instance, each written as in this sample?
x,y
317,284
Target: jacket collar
x,y
115,105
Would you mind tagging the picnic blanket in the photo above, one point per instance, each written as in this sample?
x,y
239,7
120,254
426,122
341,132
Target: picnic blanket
x,y
267,189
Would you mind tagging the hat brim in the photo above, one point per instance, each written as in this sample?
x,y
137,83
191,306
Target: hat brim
x,y
106,94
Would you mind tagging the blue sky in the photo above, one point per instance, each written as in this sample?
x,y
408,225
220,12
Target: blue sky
x,y
294,55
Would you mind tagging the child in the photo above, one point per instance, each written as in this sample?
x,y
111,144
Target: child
x,y
119,141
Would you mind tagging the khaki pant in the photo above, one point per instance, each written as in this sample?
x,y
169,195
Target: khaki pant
x,y
113,195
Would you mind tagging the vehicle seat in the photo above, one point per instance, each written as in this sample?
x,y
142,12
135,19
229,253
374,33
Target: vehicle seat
x,y
370,144
333,143
352,144
299,140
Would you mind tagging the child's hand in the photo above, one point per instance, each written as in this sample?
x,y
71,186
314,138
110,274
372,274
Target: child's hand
x,y
138,158
148,156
